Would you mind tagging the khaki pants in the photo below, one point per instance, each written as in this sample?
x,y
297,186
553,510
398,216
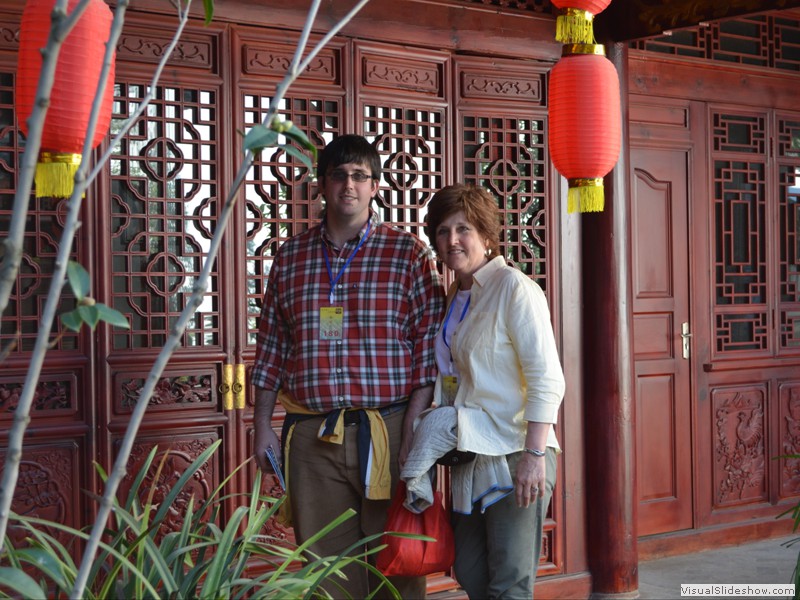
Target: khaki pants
x,y
324,481
497,552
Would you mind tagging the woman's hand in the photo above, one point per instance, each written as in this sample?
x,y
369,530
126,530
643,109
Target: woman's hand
x,y
530,480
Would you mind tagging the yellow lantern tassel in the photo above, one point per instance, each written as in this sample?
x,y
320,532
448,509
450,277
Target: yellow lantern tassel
x,y
574,26
585,195
55,174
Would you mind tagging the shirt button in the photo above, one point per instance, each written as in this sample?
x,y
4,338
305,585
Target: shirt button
x,y
338,370
339,342
341,399
339,286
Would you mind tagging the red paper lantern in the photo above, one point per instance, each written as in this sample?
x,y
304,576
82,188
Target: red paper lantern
x,y
574,25
585,123
76,77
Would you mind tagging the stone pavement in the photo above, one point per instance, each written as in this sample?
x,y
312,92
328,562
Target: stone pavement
x,y
768,561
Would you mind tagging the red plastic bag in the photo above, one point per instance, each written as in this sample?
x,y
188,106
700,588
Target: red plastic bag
x,y
408,557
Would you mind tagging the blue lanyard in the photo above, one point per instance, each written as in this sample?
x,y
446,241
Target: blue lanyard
x,y
447,318
346,264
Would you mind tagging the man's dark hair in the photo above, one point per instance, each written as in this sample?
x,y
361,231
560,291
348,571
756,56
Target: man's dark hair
x,y
349,149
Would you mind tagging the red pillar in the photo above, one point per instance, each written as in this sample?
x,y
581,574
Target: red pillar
x,y
609,384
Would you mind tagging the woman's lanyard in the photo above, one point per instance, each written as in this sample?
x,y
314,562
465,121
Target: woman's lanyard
x,y
447,319
346,264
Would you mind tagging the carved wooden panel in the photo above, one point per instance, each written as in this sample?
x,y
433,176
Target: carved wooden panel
x,y
164,195
384,71
188,389
177,451
56,395
789,408
739,465
9,34
48,487
147,46
269,55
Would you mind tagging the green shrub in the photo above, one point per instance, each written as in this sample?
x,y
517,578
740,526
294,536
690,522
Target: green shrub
x,y
209,557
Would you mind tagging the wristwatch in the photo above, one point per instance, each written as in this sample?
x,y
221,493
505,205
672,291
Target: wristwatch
x,y
534,452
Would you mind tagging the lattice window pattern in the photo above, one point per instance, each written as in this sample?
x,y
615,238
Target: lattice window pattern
x,y
745,332
765,41
20,326
164,195
740,262
506,155
281,198
740,234
740,133
410,142
788,155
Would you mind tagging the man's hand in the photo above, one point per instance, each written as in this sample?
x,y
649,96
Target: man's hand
x,y
264,436
263,439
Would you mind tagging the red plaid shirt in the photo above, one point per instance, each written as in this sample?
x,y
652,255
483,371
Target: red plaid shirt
x,y
393,300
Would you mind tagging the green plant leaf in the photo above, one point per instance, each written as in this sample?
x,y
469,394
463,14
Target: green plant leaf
x,y
112,316
208,7
72,320
89,314
215,582
48,564
21,583
30,522
289,149
198,462
78,278
260,137
300,137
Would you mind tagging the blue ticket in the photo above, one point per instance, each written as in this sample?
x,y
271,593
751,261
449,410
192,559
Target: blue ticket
x,y
273,460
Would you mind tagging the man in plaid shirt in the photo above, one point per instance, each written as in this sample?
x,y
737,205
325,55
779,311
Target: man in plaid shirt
x,y
347,338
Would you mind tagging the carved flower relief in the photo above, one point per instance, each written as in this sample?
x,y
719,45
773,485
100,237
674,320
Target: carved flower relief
x,y
38,494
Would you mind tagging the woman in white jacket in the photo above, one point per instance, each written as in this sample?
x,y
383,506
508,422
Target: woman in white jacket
x,y
499,367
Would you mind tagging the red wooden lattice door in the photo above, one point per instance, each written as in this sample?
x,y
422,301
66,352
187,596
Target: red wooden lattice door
x,y
149,220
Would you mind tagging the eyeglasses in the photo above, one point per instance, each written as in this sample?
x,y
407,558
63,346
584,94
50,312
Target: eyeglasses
x,y
357,177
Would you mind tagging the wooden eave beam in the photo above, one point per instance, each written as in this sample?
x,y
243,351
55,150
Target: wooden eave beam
x,y
628,20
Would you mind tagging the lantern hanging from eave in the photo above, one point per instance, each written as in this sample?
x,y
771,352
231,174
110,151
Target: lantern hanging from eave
x,y
585,123
77,73
574,24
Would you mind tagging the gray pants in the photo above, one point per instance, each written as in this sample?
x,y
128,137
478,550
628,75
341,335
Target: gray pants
x,y
497,552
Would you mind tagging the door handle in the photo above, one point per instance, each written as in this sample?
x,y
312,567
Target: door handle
x,y
685,335
239,383
226,387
